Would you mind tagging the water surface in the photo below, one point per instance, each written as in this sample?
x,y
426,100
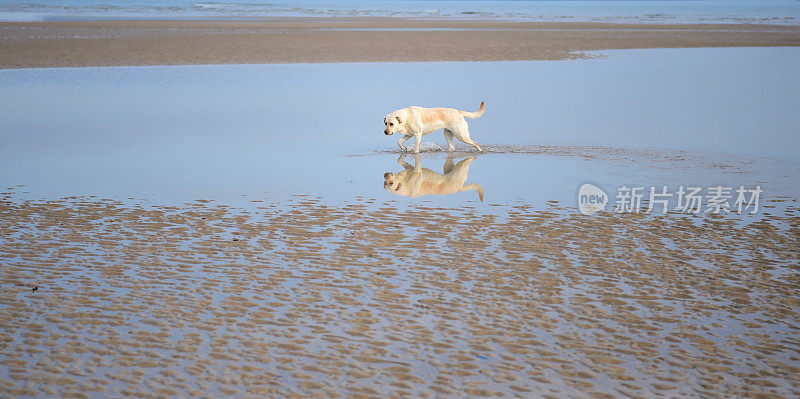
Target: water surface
x,y
174,134
227,230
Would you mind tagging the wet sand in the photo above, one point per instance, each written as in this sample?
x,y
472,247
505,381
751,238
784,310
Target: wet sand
x,y
309,40
367,299
353,291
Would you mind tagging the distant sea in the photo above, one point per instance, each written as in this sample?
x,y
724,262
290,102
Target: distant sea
x,y
642,11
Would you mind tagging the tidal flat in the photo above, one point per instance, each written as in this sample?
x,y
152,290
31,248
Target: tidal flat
x,y
228,230
365,299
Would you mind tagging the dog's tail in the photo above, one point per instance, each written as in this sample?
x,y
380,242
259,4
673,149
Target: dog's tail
x,y
475,187
476,114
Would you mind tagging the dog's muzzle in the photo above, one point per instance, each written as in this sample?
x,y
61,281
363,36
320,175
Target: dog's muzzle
x,y
386,132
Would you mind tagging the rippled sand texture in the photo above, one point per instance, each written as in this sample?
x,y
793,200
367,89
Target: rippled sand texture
x,y
388,300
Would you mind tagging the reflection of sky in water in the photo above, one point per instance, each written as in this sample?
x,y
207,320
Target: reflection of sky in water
x,y
269,131
376,280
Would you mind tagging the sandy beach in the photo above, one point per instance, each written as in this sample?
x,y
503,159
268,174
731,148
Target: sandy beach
x,y
179,255
114,43
205,227
318,300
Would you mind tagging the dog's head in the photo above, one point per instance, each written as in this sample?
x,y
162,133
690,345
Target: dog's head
x,y
391,182
395,183
394,123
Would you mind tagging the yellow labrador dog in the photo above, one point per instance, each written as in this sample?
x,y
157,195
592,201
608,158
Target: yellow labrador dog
x,y
418,121
415,181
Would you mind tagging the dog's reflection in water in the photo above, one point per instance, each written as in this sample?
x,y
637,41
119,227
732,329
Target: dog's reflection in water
x,y
414,180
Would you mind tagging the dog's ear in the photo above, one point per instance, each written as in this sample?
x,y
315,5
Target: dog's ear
x,y
398,119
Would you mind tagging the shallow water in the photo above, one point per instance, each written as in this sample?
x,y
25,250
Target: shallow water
x,y
264,132
226,230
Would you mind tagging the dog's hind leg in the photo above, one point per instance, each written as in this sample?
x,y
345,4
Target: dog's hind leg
x,y
448,165
449,136
472,143
462,133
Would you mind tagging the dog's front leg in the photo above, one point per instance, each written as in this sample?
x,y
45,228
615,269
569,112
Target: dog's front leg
x,y
403,140
402,162
418,139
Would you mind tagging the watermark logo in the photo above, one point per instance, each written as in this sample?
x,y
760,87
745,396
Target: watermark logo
x,y
591,199
686,199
